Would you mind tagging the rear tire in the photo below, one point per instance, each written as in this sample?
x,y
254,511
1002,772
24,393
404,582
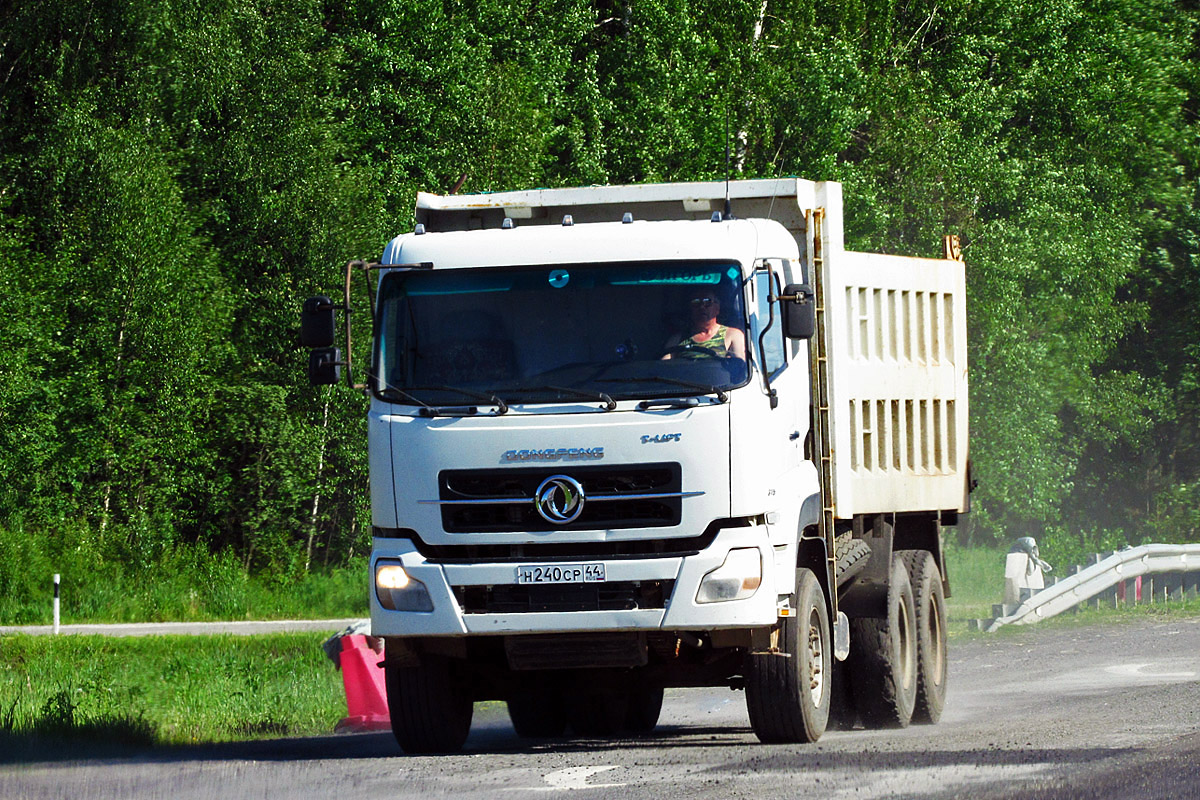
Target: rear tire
x,y
430,706
930,605
883,657
645,706
843,716
598,711
850,557
537,714
787,694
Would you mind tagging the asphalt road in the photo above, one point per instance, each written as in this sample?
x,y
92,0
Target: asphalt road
x,y
1106,711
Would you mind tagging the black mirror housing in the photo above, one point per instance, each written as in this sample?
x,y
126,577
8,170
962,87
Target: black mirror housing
x,y
799,311
324,366
317,322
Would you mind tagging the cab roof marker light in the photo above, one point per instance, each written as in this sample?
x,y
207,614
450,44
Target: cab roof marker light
x,y
568,220
627,218
420,229
508,224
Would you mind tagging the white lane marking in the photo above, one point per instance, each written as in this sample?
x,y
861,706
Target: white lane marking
x,y
576,778
1136,671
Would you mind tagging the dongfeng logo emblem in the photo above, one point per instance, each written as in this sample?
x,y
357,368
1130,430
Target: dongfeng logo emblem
x,y
559,499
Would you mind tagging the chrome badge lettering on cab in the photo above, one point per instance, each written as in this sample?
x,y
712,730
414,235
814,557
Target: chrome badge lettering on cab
x,y
554,454
659,438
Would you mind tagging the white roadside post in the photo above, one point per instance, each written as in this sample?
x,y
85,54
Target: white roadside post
x,y
56,582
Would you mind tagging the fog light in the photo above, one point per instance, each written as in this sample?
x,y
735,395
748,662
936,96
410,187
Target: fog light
x,y
738,578
399,591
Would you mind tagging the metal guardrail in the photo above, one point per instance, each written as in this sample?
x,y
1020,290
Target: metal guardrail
x,y
1119,567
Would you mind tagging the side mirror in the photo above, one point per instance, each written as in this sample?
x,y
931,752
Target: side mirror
x,y
324,366
799,311
317,322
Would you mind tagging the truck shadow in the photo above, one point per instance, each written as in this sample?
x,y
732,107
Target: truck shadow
x,y
500,739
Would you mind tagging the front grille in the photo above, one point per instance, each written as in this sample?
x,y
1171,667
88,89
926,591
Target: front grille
x,y
508,485
525,599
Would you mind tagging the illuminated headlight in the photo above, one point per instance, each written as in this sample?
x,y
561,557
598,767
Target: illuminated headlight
x,y
738,578
399,591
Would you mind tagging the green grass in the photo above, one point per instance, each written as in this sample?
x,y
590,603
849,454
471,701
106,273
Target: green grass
x,y
976,582
165,690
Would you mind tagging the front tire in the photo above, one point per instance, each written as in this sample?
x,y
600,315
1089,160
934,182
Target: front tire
x,y
930,605
787,693
430,706
883,657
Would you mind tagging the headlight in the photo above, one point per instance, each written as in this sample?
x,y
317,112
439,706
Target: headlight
x,y
738,578
399,591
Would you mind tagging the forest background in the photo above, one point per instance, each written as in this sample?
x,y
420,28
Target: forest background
x,y
177,175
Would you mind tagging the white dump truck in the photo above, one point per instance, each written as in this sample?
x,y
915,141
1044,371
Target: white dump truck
x,y
631,438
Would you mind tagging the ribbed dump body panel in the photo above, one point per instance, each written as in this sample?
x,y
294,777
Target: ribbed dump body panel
x,y
896,339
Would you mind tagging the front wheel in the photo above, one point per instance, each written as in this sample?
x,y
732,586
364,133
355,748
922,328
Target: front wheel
x,y
430,706
787,692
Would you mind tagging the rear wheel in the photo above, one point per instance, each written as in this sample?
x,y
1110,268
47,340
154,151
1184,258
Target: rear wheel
x,y
883,657
537,714
787,693
430,706
930,604
598,712
850,557
645,705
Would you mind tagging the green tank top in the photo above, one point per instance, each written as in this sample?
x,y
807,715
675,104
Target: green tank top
x,y
716,343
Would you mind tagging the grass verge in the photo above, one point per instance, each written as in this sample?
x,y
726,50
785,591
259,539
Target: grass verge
x,y
165,690
976,582
187,584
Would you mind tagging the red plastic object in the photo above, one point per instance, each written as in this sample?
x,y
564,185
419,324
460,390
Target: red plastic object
x,y
366,693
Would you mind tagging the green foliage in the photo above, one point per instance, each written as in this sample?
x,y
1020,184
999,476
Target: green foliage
x,y
176,177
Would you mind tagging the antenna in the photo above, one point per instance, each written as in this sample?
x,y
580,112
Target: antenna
x,y
728,210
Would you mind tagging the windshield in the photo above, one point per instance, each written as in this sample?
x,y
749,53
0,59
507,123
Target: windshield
x,y
552,333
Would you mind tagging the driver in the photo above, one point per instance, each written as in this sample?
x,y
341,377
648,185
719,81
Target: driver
x,y
705,333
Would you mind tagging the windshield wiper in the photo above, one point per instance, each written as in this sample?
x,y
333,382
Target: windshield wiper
x,y
609,403
392,393
428,410
668,402
722,395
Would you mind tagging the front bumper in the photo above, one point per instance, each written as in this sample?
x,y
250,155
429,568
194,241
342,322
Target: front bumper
x,y
681,611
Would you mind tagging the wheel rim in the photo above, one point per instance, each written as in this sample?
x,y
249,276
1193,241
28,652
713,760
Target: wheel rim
x,y
906,648
937,639
816,659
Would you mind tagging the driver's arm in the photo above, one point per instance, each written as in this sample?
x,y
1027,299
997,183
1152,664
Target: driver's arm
x,y
735,343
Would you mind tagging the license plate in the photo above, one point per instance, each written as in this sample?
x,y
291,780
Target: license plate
x,y
560,573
